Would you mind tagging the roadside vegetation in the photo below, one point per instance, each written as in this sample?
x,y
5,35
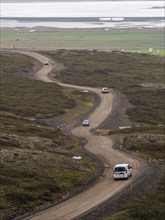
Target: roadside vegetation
x,y
37,165
140,77
37,160
150,207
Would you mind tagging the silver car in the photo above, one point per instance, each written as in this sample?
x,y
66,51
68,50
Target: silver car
x,y
85,122
45,62
105,90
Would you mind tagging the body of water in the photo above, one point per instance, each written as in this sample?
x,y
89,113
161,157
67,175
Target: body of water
x,y
106,14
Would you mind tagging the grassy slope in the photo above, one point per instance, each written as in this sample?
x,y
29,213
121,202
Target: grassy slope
x,y
27,97
113,69
151,207
126,72
36,161
141,78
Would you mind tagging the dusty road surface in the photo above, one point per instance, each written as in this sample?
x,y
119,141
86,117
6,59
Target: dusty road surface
x,y
105,187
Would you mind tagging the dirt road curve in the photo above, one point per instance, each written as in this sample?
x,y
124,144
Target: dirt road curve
x,y
101,146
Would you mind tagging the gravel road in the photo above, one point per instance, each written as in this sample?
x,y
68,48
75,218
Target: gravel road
x,y
101,146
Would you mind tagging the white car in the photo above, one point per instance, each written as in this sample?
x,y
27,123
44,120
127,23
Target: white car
x,y
46,62
122,171
105,90
85,122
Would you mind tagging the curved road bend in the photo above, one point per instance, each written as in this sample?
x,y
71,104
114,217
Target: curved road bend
x,y
101,146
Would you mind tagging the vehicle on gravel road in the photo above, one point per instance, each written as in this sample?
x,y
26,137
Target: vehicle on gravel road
x,y
105,90
45,62
85,122
122,171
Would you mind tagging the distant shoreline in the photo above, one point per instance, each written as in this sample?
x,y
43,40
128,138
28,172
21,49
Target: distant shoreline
x,y
83,22
79,19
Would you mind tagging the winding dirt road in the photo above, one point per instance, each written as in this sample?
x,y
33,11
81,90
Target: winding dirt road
x,y
101,146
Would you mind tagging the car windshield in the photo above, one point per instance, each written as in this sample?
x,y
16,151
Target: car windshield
x,y
119,169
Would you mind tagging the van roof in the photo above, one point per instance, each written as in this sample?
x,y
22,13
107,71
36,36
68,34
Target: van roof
x,y
121,165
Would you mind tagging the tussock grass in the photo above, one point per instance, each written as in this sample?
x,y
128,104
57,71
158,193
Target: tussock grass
x,y
149,106
126,72
149,208
48,155
37,167
29,98
32,98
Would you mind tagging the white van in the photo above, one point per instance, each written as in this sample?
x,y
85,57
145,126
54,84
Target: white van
x,y
122,171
